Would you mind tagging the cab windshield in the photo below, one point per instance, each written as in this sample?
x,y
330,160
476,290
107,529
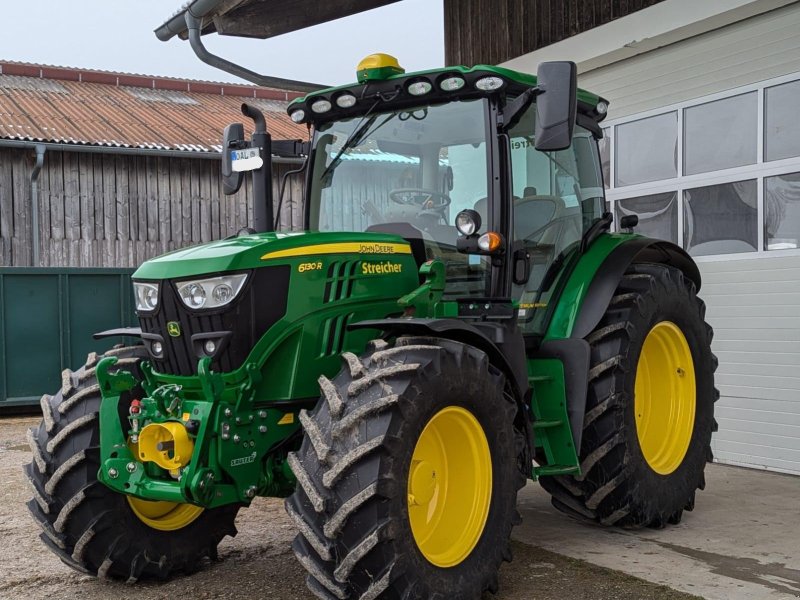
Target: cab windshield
x,y
408,172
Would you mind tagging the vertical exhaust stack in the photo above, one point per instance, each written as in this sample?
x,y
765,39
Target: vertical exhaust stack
x,y
239,156
262,177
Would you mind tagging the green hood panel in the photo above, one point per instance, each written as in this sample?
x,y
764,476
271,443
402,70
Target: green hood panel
x,y
261,249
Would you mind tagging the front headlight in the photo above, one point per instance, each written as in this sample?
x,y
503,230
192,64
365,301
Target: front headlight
x,y
212,292
146,296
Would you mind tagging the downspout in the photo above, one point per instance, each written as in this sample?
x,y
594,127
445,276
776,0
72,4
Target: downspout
x,y
195,40
37,169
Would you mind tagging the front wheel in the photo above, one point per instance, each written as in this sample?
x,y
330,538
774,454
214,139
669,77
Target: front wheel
x,y
407,475
92,528
649,408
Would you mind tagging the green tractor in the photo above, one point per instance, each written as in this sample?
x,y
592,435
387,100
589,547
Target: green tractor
x,y
470,321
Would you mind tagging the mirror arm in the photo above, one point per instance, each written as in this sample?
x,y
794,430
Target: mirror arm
x,y
512,112
589,123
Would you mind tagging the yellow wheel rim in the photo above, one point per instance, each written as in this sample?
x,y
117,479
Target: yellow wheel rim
x,y
164,516
449,486
665,395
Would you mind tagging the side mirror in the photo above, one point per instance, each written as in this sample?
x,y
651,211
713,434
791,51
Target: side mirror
x,y
556,104
232,138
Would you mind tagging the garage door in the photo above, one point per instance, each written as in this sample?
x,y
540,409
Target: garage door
x,y
741,209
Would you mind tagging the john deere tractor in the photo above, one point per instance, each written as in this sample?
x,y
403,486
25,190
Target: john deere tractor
x,y
455,319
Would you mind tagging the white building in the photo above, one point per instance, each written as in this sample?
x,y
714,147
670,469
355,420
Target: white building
x,y
703,143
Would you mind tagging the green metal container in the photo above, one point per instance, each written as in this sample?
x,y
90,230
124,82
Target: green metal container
x,y
47,318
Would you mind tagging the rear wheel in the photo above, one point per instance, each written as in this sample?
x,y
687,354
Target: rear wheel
x,y
92,528
650,406
407,475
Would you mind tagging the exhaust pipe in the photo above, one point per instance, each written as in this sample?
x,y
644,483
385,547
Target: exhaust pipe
x,y
262,177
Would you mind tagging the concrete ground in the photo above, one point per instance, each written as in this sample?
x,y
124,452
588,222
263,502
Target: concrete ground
x,y
743,541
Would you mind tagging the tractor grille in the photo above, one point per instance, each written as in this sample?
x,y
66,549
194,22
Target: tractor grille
x,y
340,279
259,306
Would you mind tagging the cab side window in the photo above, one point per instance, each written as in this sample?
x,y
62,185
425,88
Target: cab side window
x,y
556,196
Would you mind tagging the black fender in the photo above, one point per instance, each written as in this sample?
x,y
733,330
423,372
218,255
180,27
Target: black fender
x,y
502,342
606,280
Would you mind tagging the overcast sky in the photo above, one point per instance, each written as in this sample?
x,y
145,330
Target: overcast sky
x,y
117,35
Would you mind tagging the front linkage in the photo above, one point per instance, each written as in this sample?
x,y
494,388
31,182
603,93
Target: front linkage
x,y
165,447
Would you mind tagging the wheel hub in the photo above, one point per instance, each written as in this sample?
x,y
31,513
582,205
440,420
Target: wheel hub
x,y
449,486
422,483
665,395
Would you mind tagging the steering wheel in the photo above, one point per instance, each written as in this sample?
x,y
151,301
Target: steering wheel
x,y
425,200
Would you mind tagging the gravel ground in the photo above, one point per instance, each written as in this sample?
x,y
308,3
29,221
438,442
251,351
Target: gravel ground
x,y
257,563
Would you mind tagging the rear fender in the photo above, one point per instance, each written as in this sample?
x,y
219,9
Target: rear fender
x,y
605,263
607,277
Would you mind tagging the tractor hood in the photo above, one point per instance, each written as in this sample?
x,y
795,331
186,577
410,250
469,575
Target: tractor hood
x,y
262,249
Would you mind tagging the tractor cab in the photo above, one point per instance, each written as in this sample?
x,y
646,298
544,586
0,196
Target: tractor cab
x,y
439,159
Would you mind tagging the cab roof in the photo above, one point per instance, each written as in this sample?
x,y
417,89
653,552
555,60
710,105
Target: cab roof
x,y
394,88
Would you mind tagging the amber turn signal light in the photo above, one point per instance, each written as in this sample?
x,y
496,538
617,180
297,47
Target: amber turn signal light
x,y
490,241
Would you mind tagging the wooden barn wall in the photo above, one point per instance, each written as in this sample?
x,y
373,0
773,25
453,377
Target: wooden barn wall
x,y
494,31
108,210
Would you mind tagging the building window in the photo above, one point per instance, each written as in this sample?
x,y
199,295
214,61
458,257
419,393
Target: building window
x,y
721,219
658,214
782,212
781,123
719,175
720,134
647,150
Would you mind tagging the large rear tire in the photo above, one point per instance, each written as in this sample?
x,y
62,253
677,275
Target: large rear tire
x,y
407,475
92,528
650,406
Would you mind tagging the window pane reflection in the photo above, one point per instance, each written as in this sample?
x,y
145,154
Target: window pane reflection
x,y
782,127
721,219
658,215
720,134
782,212
647,150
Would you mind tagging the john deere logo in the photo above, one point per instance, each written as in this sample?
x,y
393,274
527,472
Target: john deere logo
x,y
174,328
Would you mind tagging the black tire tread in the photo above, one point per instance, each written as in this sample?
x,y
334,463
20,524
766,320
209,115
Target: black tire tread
x,y
605,474
365,390
79,516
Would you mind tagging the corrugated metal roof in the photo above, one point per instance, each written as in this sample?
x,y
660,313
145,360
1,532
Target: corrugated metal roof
x,y
146,113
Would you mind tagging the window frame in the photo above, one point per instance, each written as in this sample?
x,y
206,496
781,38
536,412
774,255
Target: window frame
x,y
760,170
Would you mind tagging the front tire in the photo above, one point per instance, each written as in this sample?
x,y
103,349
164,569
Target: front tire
x,y
407,475
650,406
92,528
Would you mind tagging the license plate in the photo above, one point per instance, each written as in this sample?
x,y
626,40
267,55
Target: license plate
x,y
246,159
